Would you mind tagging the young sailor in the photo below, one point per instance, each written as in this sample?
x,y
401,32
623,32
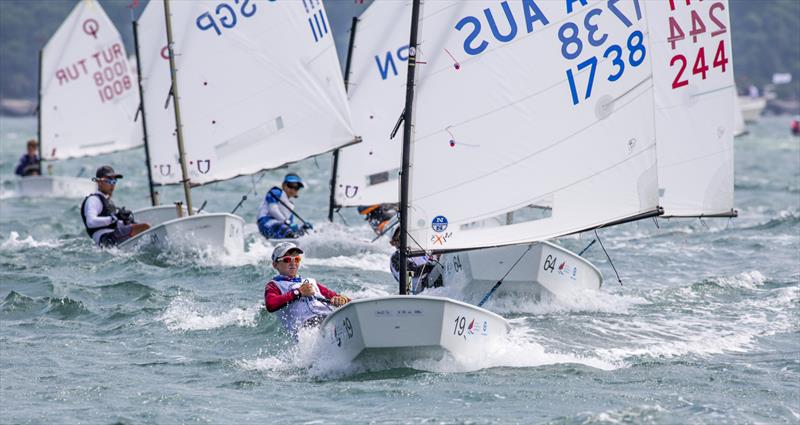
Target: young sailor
x,y
276,214
105,224
299,301
29,163
426,272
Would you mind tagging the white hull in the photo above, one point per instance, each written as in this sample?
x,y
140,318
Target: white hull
x,y
546,270
220,232
411,327
157,215
752,107
54,187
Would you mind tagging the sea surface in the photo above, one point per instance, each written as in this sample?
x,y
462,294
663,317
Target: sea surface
x,y
704,329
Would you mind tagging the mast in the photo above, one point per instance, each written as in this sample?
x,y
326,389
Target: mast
x,y
153,199
407,129
332,200
176,103
39,111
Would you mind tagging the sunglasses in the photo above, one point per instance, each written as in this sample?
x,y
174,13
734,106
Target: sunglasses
x,y
293,186
112,182
289,259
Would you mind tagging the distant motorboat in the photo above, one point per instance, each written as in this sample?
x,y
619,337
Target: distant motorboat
x,y
752,107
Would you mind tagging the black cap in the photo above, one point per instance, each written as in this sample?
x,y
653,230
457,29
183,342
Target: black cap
x,y
107,171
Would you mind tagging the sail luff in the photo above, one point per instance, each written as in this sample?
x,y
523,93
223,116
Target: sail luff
x,y
176,105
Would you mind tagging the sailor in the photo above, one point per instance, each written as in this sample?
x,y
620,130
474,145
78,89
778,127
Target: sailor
x,y
105,224
29,163
379,216
276,214
426,271
299,301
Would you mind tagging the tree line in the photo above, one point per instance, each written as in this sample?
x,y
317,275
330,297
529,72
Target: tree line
x,y
766,38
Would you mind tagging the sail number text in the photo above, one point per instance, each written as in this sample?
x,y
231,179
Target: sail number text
x,y
575,36
714,25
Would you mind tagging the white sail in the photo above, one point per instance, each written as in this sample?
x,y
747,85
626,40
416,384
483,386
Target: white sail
x,y
508,115
158,106
695,105
260,86
368,172
89,97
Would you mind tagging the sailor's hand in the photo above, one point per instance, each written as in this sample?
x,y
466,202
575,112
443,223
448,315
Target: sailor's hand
x,y
339,300
307,290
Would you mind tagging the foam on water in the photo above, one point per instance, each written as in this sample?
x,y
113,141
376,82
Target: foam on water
x,y
184,314
14,243
318,359
713,326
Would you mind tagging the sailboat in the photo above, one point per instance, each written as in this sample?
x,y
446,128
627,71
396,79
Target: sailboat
x,y
242,101
368,173
87,99
585,134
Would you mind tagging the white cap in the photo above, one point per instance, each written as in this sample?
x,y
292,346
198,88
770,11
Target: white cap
x,y
282,249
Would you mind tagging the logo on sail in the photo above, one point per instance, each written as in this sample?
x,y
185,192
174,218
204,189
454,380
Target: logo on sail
x,y
316,18
91,27
439,224
203,165
350,191
162,167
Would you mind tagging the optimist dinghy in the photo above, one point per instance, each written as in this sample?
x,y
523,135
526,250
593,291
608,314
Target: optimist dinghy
x,y
87,100
412,327
287,93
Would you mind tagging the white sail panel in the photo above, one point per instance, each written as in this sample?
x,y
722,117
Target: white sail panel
x,y
158,106
260,85
695,105
89,97
368,172
529,102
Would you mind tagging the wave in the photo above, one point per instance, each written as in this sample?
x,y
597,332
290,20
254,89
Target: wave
x,y
183,314
745,280
14,243
16,306
710,323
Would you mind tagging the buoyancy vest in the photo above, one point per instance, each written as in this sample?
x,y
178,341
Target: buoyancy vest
x,y
108,209
294,314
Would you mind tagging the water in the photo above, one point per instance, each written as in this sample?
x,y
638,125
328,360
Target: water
x,y
704,330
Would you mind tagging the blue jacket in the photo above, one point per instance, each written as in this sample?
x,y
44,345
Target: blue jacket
x,y
24,162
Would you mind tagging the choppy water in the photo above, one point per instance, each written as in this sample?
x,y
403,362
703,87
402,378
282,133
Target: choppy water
x,y
704,330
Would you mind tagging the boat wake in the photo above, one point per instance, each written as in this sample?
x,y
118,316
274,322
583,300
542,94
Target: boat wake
x,y
185,314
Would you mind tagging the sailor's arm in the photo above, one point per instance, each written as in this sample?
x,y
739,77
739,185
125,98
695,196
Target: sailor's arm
x,y
333,296
274,300
93,207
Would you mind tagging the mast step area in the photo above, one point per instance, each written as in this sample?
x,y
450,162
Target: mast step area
x,y
221,233
411,327
546,271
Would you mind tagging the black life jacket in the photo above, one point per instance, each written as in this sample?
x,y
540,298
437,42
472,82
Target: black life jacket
x,y
108,210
